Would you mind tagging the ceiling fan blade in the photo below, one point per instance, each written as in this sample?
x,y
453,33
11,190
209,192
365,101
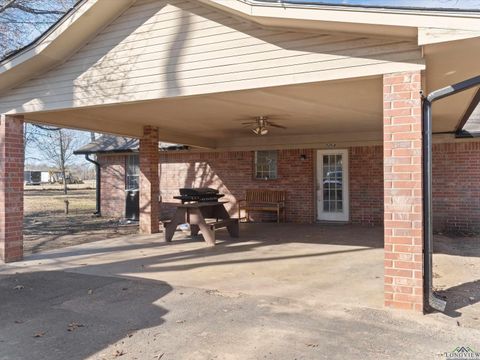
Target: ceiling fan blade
x,y
277,126
276,116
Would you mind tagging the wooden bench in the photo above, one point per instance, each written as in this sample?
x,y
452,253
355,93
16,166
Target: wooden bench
x,y
263,200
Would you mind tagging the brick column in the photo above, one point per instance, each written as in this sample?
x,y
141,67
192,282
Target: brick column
x,y
403,229
11,188
149,183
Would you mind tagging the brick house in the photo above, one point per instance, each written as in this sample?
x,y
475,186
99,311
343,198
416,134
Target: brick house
x,y
343,83
456,190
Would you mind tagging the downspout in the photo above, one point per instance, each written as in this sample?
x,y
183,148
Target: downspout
x,y
431,301
98,178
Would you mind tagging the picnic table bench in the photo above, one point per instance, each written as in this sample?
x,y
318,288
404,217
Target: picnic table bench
x,y
206,217
263,200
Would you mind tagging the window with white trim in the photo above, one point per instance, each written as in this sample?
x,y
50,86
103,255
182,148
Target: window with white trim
x,y
266,164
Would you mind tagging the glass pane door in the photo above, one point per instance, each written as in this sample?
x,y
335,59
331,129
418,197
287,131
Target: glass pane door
x,y
332,185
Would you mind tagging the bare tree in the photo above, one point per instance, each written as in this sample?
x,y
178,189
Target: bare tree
x,y
21,21
56,146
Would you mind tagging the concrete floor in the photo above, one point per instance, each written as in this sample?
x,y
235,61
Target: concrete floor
x,y
280,292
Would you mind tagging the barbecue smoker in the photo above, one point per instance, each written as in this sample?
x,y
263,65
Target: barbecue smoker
x,y
198,195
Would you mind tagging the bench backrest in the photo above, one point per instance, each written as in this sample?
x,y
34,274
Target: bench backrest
x,y
265,196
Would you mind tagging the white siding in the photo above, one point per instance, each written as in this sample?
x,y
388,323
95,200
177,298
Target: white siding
x,y
159,49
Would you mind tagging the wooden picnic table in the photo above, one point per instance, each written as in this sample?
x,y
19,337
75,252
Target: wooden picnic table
x,y
202,216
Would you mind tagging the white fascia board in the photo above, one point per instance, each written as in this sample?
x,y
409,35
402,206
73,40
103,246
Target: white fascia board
x,y
263,13
428,36
47,39
57,44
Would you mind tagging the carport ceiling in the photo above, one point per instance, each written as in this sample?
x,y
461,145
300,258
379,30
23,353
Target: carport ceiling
x,y
336,108
327,107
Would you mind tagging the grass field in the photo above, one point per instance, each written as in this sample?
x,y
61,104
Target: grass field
x,y
46,226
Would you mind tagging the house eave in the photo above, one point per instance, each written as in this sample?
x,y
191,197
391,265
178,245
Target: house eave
x,y
89,16
403,23
69,34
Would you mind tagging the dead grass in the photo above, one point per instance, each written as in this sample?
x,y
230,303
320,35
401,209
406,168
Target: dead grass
x,y
52,202
46,226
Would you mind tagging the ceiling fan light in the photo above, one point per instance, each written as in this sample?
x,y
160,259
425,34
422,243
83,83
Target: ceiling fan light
x,y
263,131
257,130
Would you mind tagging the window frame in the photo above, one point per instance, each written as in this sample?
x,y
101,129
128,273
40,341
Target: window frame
x,y
129,173
272,174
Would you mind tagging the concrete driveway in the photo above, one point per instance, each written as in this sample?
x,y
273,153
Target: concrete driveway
x,y
282,292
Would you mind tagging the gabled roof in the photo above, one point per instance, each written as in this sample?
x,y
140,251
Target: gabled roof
x,y
119,144
88,17
62,39
383,21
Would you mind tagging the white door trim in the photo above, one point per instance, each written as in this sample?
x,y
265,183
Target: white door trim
x,y
325,216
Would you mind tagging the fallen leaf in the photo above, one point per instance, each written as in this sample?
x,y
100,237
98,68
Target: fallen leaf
x,y
73,326
90,292
39,334
119,353
19,287
18,322
180,321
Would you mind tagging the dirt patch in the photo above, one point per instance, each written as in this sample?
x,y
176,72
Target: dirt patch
x,y
46,226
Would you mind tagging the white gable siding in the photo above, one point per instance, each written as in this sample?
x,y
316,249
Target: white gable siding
x,y
160,49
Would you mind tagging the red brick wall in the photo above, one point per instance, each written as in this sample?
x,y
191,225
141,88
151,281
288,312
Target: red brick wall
x,y
366,185
149,181
456,190
232,174
403,209
456,186
113,185
11,188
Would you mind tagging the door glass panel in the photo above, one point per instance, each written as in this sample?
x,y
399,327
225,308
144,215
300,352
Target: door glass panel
x,y
332,183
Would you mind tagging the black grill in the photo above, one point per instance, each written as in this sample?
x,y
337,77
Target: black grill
x,y
198,195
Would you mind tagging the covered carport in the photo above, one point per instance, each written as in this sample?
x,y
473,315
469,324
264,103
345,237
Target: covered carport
x,y
356,80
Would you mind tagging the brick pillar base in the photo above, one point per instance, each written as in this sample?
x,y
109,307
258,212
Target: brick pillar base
x,y
402,146
11,188
149,183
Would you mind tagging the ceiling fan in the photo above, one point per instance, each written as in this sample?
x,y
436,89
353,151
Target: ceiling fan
x,y
260,124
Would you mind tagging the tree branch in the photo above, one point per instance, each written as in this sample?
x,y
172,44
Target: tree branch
x,y
13,4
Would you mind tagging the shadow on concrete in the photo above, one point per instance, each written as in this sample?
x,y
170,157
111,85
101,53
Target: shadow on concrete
x,y
58,315
460,296
252,236
457,245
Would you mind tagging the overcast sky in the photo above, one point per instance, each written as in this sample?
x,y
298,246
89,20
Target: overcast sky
x,y
447,4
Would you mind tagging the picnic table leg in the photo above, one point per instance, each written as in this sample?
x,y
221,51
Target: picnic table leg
x,y
194,229
233,229
178,218
222,213
196,218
